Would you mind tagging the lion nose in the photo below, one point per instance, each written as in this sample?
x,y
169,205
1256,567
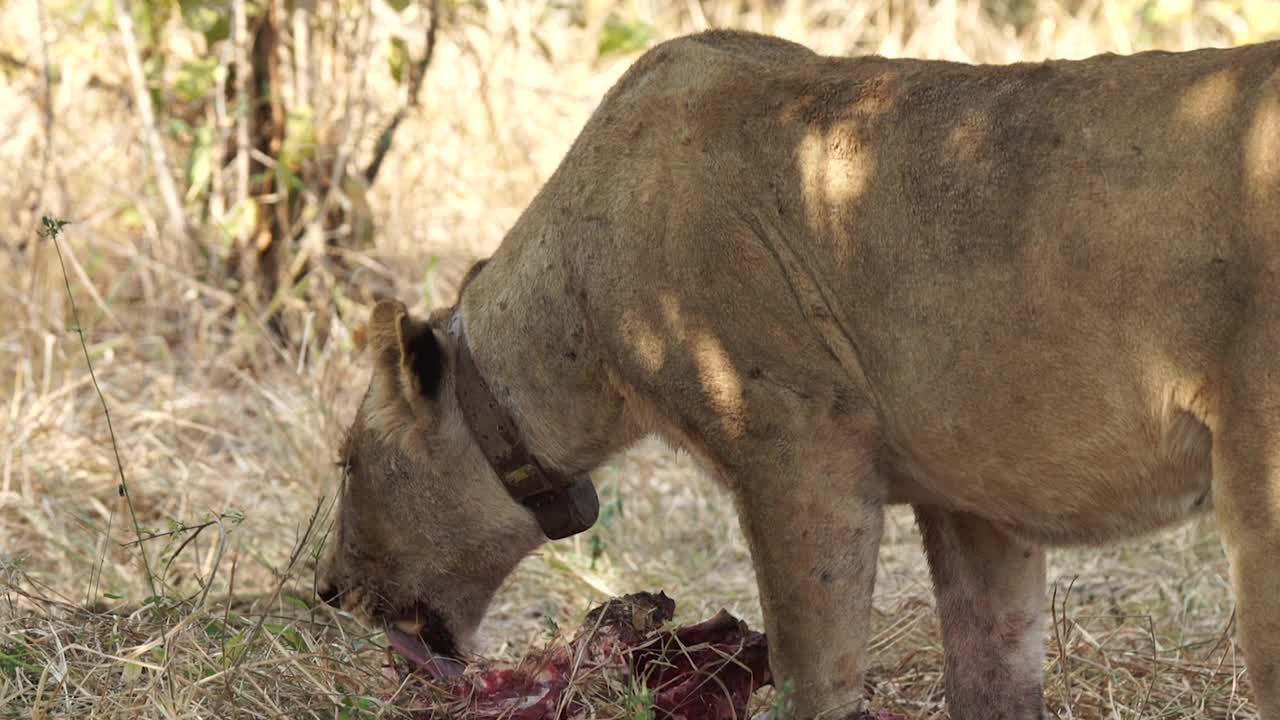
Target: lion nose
x,y
328,594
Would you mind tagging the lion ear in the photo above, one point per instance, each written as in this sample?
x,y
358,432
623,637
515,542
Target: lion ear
x,y
408,352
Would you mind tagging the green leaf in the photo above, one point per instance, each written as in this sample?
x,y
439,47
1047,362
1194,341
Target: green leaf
x,y
299,138
235,647
178,129
132,218
18,656
638,704
201,167
240,220
196,79
52,227
287,634
209,18
287,178
398,58
623,36
153,70
149,17
216,630
597,550
356,707
397,5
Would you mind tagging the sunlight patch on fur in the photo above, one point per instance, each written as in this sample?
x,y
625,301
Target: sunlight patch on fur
x,y
834,173
1208,99
837,171
1262,147
968,137
645,344
721,383
671,311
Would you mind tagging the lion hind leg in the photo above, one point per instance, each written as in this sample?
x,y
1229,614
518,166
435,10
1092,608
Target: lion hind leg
x,y
989,588
1246,488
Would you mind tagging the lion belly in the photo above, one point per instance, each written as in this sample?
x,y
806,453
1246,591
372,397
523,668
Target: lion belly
x,y
1062,493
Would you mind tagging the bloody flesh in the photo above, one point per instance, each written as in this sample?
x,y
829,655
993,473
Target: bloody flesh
x,y
706,671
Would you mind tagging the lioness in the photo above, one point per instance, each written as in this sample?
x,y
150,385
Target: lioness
x,y
1037,302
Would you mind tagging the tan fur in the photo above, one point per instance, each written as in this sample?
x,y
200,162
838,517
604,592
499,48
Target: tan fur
x,y
1039,302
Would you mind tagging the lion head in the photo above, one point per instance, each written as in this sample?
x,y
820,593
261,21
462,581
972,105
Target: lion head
x,y
425,532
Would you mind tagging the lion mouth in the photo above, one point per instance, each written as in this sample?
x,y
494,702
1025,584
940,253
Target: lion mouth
x,y
418,642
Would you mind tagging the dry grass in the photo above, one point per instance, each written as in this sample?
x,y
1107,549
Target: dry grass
x,y
227,441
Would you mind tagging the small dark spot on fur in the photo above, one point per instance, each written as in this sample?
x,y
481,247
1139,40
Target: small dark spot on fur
x,y
755,373
825,577
502,305
842,402
1137,150
571,355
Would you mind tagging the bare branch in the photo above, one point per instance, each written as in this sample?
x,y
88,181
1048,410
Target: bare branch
x,y
159,158
417,71
241,23
302,68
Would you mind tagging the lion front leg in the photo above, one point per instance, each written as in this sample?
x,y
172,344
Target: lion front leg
x,y
1246,489
990,591
814,545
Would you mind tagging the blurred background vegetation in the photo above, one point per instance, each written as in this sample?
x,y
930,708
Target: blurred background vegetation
x,y
241,178
246,143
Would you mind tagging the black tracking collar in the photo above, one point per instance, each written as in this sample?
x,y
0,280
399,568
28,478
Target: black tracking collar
x,y
564,505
